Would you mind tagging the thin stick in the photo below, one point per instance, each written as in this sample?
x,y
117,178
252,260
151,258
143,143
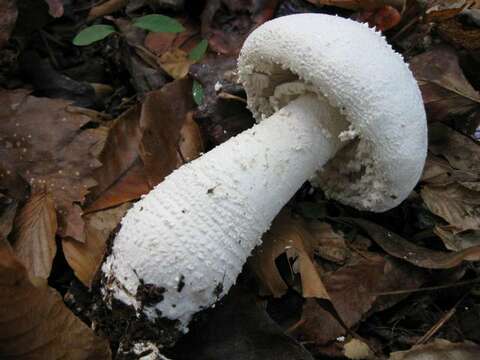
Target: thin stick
x,y
431,288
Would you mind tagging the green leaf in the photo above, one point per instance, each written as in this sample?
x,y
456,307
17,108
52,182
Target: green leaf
x,y
198,51
159,23
93,34
197,92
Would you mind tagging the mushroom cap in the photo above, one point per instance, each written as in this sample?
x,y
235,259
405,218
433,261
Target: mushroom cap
x,y
360,74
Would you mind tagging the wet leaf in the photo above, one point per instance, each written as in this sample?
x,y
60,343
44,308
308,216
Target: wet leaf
x,y
288,235
439,350
93,34
197,93
58,161
35,228
419,256
85,258
36,324
197,53
445,90
159,23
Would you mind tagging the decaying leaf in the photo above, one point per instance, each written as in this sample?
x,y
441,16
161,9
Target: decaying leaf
x,y
461,152
85,258
36,324
458,205
445,90
456,240
59,161
35,228
288,235
398,247
144,144
439,350
352,291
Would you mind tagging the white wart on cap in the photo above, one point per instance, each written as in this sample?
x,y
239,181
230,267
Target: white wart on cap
x,y
359,73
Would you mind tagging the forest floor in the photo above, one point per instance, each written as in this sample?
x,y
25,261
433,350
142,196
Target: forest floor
x,y
100,100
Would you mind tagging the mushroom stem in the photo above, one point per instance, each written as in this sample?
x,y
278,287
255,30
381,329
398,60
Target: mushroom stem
x,y
190,236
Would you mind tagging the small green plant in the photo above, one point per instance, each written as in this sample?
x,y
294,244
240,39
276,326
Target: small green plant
x,y
159,23
93,34
153,23
196,54
197,92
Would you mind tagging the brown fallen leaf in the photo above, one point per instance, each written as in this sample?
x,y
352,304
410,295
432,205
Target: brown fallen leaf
x,y
457,240
454,32
360,4
106,8
8,17
85,258
439,349
36,324
287,235
144,144
445,90
164,113
352,291
461,152
160,42
59,161
384,18
35,228
176,63
398,247
327,243
458,205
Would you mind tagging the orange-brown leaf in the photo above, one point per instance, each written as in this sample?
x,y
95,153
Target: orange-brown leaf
x,y
36,324
35,227
86,258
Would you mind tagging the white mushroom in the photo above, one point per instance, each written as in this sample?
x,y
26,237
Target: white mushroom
x,y
315,83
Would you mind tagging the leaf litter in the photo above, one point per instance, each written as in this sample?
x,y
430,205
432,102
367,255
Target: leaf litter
x,y
335,281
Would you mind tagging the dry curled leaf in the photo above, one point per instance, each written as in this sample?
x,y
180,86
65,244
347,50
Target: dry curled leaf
x,y
35,228
288,235
85,258
398,247
445,90
36,324
59,161
439,350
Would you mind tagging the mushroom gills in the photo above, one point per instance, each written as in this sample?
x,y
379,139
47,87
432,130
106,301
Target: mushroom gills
x,y
200,224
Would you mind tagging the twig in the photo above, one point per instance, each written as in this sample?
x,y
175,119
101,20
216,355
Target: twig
x,y
431,288
433,330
